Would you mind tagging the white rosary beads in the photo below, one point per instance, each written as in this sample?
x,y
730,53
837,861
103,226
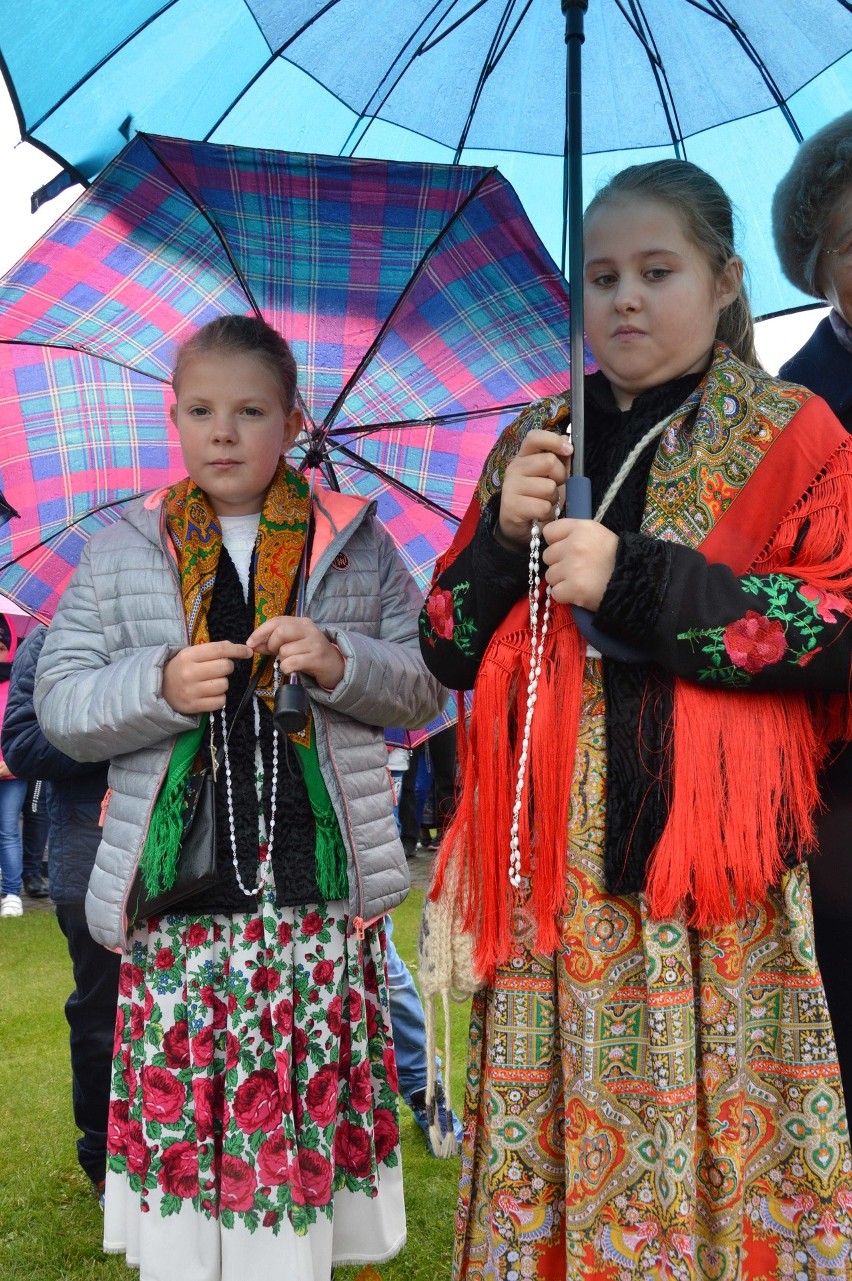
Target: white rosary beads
x,y
536,651
265,861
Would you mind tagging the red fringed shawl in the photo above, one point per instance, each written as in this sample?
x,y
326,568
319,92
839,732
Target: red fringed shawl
x,y
762,467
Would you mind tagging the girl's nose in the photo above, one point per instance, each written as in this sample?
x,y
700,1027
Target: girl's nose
x,y
223,429
626,296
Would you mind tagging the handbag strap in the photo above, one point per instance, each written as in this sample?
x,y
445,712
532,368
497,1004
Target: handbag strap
x,y
249,691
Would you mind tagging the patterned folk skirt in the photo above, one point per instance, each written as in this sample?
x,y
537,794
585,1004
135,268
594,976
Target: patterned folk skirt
x,y
652,1101
253,1126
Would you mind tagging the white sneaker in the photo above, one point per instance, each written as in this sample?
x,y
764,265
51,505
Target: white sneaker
x,y
11,905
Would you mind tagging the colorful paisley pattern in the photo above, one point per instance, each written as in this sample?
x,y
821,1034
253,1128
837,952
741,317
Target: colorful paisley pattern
x,y
652,1101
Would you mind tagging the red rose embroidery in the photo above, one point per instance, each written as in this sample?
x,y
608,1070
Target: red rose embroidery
x,y
137,1022
256,1103
125,987
117,1127
178,1172
334,1015
232,1050
352,1149
312,924
354,1006
201,1046
237,1184
273,980
163,1096
273,1159
138,1152
253,931
360,1087
207,1094
258,979
373,1023
119,1031
176,1045
315,1177
285,1089
755,642
344,1056
137,978
439,611
165,959
282,1017
265,1026
389,1061
149,1003
323,973
828,606
300,1045
285,933
385,1133
196,935
321,1096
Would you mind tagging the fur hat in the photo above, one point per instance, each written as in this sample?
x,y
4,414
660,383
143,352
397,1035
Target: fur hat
x,y
807,196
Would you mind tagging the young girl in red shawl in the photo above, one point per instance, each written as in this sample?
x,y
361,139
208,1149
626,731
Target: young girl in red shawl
x,y
653,1087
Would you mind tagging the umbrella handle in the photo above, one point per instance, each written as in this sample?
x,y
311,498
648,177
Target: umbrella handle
x,y
292,706
578,505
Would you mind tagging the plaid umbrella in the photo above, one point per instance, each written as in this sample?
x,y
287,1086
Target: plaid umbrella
x,y
420,304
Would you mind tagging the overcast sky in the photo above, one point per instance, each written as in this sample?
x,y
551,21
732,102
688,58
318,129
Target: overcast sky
x,y
23,169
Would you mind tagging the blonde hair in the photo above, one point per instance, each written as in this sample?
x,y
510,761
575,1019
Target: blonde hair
x,y
247,335
708,220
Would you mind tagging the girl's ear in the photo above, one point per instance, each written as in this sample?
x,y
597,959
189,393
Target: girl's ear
x,y
729,282
293,424
173,412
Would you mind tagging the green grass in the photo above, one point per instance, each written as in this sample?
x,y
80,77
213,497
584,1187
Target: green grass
x,y
50,1223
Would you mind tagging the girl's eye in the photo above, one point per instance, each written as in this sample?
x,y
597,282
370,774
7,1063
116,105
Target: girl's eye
x,y
658,273
603,279
252,411
198,411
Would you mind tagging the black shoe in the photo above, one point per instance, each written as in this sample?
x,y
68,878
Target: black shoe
x,y
36,887
409,847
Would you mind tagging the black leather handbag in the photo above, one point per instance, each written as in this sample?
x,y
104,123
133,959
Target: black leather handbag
x,y
196,869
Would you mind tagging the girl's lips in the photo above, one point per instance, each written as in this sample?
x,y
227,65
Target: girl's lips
x,y
224,464
627,332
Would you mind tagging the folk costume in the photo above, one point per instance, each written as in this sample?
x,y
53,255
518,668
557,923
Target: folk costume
x,y
253,1124
652,1049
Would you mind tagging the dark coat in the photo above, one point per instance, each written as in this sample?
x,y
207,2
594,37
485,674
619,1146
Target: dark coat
x,y
823,366
74,791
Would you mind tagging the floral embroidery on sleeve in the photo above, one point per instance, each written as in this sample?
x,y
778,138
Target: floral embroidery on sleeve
x,y
444,619
790,630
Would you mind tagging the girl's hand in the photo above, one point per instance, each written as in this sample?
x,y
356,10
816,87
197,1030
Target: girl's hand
x,y
300,647
533,483
196,679
580,556
5,772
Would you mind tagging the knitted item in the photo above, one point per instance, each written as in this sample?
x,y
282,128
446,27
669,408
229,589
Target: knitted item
x,y
446,971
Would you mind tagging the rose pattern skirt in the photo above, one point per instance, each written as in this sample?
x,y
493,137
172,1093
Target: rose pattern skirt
x,y
651,1101
253,1116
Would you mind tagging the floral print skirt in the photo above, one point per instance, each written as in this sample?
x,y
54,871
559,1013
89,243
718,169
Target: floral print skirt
x,y
651,1101
253,1125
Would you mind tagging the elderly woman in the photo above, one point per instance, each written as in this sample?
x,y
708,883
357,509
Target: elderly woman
x,y
812,222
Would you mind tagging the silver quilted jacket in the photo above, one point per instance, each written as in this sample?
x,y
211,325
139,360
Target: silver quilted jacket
x,y
99,679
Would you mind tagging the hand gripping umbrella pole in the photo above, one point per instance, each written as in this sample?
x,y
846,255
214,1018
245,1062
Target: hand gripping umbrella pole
x,y
292,705
578,488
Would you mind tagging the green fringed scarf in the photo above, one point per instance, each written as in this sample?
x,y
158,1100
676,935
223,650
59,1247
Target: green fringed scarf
x,y
197,537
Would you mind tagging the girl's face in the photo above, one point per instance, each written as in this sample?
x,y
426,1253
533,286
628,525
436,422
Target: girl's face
x,y
233,428
651,300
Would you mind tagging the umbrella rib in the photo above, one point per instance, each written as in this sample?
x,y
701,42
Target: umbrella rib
x,y
368,114
83,351
659,72
392,314
388,479
437,420
717,10
273,55
57,533
428,46
102,63
485,71
209,219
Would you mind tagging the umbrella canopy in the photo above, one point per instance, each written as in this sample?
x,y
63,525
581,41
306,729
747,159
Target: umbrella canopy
x,y
420,305
733,86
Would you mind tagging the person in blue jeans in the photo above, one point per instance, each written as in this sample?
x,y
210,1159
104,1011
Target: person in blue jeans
x,y
13,792
74,793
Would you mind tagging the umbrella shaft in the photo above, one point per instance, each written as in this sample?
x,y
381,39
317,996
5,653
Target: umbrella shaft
x,y
574,11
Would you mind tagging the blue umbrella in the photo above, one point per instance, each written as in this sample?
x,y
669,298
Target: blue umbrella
x,y
732,85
